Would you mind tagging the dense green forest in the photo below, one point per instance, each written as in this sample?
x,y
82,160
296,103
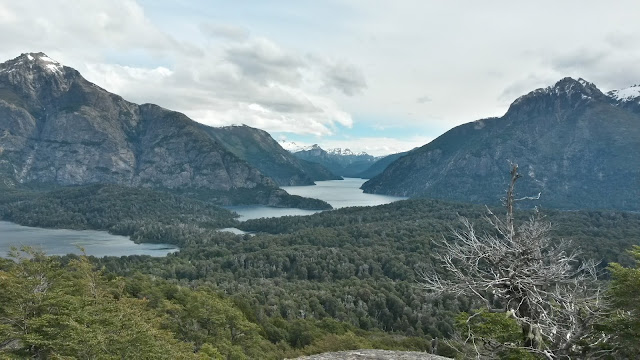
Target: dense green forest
x,y
334,280
145,215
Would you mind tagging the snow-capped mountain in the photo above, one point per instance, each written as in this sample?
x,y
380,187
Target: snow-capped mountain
x,y
345,152
624,95
293,147
342,162
627,98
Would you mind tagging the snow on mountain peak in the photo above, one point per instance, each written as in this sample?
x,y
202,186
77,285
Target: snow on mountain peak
x,y
29,60
292,146
624,95
345,152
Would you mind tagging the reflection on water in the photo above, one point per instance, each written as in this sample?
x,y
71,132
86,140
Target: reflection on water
x,y
62,241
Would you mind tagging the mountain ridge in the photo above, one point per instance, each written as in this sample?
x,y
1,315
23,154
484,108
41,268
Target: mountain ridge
x,y
342,162
259,149
574,144
57,128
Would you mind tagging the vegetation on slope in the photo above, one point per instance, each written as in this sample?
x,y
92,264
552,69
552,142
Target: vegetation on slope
x,y
334,280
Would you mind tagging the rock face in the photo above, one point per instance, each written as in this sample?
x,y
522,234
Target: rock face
x,y
338,161
374,355
58,128
575,145
260,150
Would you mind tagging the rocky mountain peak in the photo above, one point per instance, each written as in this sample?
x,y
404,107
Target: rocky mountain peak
x,y
36,72
32,62
568,93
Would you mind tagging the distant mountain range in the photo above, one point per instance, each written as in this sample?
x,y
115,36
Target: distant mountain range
x,y
575,145
58,129
342,162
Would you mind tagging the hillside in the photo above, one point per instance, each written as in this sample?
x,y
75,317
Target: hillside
x,y
260,150
56,128
380,165
576,146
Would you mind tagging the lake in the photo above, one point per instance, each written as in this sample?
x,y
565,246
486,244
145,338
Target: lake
x,y
62,241
338,193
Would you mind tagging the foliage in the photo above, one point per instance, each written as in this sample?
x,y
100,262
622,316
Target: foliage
x,y
52,311
143,214
490,330
624,294
354,266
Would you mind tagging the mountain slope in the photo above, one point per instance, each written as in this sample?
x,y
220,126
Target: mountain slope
x,y
380,165
260,150
338,161
58,128
575,145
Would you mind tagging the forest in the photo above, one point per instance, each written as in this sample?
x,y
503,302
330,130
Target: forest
x,y
342,279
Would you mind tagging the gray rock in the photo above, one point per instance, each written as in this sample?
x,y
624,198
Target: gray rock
x,y
374,355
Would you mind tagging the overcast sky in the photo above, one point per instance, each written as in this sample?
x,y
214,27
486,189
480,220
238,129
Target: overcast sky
x,y
375,76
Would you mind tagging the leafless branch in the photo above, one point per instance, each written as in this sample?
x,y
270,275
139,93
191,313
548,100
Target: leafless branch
x,y
552,295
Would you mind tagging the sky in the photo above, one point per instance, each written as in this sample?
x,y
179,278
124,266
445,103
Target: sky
x,y
374,76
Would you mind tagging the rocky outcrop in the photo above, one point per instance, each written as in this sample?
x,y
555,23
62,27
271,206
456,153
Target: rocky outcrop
x,y
575,145
374,355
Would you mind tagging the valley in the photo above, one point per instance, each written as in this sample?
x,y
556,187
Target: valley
x,y
226,245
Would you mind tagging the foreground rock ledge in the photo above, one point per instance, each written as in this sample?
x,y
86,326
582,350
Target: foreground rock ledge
x,y
374,355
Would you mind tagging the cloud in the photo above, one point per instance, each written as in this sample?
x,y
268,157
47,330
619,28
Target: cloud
x,y
263,61
254,82
525,85
345,78
423,99
311,65
225,31
241,79
582,58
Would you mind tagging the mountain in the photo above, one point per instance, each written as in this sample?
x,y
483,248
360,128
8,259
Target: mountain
x,y
380,165
341,162
575,145
628,98
292,146
260,150
56,128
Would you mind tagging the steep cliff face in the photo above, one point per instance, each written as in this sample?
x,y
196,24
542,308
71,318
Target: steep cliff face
x,y
575,145
58,128
260,150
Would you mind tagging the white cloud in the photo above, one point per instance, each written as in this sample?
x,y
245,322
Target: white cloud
x,y
213,83
312,65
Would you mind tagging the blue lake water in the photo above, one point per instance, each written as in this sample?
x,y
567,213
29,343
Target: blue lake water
x,y
62,241
338,193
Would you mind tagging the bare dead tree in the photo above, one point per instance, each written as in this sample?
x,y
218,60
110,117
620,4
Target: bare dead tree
x,y
538,281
